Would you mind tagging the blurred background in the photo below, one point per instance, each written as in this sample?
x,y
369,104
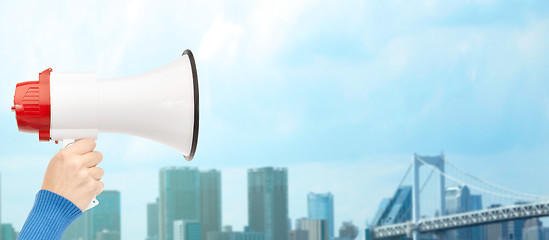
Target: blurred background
x,y
337,96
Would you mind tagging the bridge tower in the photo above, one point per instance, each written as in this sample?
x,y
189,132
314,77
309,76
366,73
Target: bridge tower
x,y
435,161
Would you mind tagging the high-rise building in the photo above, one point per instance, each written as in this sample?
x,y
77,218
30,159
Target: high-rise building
x,y
546,233
268,202
106,215
380,210
187,230
533,230
228,234
107,235
210,202
515,229
81,228
298,234
397,210
290,224
321,206
8,232
477,232
152,221
179,198
317,228
104,218
458,200
476,202
496,231
348,231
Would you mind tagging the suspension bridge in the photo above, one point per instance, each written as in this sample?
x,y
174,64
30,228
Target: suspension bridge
x,y
455,207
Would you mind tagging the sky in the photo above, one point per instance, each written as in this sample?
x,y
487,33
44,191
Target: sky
x,y
342,93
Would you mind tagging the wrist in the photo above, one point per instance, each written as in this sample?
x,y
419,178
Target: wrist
x,y
50,215
57,205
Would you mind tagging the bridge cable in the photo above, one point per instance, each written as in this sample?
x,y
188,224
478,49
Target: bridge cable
x,y
420,190
465,184
493,185
405,175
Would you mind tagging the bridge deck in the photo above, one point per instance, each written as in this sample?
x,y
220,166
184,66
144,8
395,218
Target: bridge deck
x,y
487,216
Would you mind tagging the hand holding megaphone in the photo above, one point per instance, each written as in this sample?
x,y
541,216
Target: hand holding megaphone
x,y
73,174
160,105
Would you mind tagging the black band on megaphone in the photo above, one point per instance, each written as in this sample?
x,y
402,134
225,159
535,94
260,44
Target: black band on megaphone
x,y
195,91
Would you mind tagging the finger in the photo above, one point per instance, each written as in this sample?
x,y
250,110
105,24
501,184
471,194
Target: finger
x,y
81,147
100,187
91,159
96,173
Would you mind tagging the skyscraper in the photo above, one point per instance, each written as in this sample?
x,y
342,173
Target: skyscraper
x,y
298,234
496,231
380,211
152,221
210,201
81,228
187,230
321,206
348,231
458,200
397,210
179,198
268,202
106,215
477,232
8,233
104,219
317,228
533,229
107,235
228,234
515,229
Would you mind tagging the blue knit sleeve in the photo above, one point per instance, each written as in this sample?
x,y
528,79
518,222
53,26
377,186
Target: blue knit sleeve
x,y
49,217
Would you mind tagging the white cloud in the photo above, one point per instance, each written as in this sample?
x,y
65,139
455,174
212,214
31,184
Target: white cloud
x,y
270,26
115,30
222,37
531,41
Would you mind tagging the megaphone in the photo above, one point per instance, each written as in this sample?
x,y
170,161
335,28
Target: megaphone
x,y
160,105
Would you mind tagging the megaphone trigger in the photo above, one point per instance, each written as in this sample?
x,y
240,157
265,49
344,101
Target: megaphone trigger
x,y
66,142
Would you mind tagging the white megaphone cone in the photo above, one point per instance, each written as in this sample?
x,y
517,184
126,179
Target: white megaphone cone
x,y
160,105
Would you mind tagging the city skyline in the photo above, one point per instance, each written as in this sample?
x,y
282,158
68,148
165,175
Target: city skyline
x,y
346,89
104,222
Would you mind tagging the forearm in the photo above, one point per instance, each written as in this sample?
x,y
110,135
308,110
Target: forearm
x,y
49,217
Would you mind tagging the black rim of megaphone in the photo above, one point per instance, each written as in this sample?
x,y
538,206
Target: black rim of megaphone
x,y
195,89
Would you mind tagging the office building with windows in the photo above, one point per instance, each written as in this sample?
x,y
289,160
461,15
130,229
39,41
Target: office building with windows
x,y
268,202
321,206
179,198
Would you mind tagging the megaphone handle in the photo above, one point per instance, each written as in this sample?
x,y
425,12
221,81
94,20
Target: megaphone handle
x,y
65,143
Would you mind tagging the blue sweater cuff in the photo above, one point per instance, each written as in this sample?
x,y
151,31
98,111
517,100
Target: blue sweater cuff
x,y
50,217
